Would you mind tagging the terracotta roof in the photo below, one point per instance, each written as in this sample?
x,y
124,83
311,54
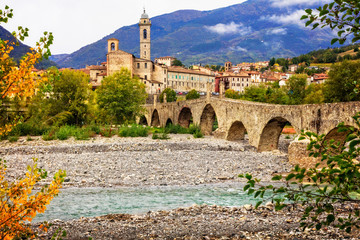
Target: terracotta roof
x,y
96,67
185,70
165,57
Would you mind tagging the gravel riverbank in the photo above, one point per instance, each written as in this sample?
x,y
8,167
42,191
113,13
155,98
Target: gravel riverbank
x,y
181,160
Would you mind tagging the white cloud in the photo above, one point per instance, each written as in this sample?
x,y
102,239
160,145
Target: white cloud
x,y
293,18
231,28
287,3
277,31
239,49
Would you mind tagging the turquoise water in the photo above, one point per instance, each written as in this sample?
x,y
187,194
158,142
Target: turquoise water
x,y
91,202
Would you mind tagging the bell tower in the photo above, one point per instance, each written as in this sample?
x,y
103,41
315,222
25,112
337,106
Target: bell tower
x,y
145,43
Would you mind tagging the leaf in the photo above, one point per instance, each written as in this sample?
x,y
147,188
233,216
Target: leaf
x,y
330,218
258,204
277,178
334,40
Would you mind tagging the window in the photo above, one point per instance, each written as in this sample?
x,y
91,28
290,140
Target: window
x,y
145,77
145,34
164,71
112,47
138,65
145,53
145,65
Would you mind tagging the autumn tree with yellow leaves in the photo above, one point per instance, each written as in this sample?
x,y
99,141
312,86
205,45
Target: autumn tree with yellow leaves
x,y
18,203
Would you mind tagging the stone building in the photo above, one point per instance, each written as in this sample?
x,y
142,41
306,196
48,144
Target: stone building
x,y
156,75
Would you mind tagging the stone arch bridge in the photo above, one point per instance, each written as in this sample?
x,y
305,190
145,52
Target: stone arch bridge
x,y
262,122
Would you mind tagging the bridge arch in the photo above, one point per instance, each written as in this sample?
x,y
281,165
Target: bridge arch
x,y
185,117
155,119
236,131
169,122
339,137
270,134
207,120
143,120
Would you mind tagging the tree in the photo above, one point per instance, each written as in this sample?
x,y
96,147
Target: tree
x,y
18,204
343,82
121,97
193,94
314,94
296,88
170,95
272,62
324,189
65,94
18,80
340,15
177,62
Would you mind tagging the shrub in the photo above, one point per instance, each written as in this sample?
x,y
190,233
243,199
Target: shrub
x,y
13,138
198,134
193,94
162,136
65,132
193,129
133,131
107,132
176,129
230,93
49,135
83,134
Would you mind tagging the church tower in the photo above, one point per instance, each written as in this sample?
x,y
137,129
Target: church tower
x,y
145,43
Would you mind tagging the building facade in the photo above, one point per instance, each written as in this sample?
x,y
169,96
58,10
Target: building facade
x,y
156,75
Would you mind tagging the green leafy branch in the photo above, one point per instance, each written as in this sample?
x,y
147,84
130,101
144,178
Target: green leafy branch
x,y
340,15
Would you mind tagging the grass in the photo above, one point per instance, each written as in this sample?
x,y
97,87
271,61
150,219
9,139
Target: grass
x,y
198,134
107,132
65,132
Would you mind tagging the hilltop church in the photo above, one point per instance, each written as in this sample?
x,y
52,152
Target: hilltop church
x,y
156,75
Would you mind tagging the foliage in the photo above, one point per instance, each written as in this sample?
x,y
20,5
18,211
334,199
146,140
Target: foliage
x,y
133,131
120,97
65,132
170,95
339,15
314,94
324,188
198,134
107,132
13,138
192,94
19,80
177,62
296,88
176,129
62,100
231,93
343,82
18,203
161,136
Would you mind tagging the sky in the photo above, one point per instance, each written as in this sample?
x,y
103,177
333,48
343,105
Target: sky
x,y
77,23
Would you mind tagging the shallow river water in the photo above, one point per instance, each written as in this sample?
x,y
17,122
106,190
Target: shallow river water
x,y
90,202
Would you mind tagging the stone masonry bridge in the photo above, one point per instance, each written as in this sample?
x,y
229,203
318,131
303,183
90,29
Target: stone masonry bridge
x,y
262,122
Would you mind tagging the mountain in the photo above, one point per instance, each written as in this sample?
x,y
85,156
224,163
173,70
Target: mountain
x,y
251,31
21,49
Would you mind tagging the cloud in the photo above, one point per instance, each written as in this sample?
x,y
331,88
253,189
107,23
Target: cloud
x,y
293,18
238,49
231,28
287,3
277,31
